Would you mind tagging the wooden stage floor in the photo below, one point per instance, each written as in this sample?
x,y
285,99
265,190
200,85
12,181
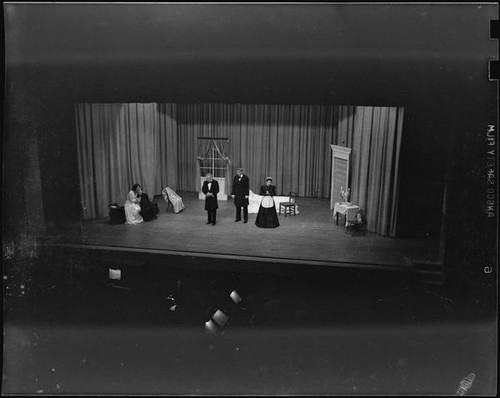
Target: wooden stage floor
x,y
311,237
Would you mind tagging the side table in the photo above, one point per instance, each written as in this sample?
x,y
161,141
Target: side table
x,y
347,209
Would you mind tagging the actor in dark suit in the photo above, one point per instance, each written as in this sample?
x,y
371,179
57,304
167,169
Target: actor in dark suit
x,y
210,189
240,193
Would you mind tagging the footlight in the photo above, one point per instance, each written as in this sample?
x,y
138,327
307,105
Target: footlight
x,y
115,274
235,296
220,318
210,327
237,299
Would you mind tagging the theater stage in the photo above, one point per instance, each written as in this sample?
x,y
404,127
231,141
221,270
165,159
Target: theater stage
x,y
311,237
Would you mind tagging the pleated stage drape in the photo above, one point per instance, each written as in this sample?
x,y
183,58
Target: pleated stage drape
x,y
123,144
375,139
156,145
291,143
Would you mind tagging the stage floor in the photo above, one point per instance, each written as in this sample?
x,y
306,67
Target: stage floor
x,y
311,237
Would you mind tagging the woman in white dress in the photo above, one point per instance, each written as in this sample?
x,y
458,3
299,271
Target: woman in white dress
x,y
132,207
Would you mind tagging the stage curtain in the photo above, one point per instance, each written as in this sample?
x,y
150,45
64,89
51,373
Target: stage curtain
x,y
375,138
287,142
123,144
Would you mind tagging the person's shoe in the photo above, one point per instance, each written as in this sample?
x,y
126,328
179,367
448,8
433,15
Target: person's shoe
x,y
208,222
213,224
238,219
245,221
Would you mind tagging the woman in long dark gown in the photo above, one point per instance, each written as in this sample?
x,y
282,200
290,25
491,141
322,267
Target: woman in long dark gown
x,y
267,216
149,210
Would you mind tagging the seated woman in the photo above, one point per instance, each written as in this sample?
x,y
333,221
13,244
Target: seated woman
x,y
149,210
267,216
132,207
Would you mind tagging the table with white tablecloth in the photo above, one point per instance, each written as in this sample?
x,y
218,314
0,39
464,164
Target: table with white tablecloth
x,y
348,209
254,202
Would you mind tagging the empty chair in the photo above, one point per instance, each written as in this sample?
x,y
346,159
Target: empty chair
x,y
357,224
289,207
167,199
173,200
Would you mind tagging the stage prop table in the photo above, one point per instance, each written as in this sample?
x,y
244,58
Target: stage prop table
x,y
254,202
349,210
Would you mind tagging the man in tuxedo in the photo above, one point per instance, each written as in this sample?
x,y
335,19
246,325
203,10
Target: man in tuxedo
x,y
240,193
210,189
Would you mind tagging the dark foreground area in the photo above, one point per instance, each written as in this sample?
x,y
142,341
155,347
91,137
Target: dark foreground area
x,y
70,329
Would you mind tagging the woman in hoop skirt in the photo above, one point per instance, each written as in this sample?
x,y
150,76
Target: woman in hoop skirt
x,y
267,216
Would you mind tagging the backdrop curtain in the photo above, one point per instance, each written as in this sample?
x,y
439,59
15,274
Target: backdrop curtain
x,y
375,138
157,144
288,142
123,144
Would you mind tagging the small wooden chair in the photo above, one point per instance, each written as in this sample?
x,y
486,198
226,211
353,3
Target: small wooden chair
x,y
357,225
173,200
167,199
289,207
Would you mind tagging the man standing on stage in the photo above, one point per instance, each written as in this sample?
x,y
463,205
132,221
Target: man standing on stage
x,y
240,193
210,189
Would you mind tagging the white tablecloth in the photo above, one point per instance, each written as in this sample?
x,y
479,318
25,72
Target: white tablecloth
x,y
347,209
254,202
